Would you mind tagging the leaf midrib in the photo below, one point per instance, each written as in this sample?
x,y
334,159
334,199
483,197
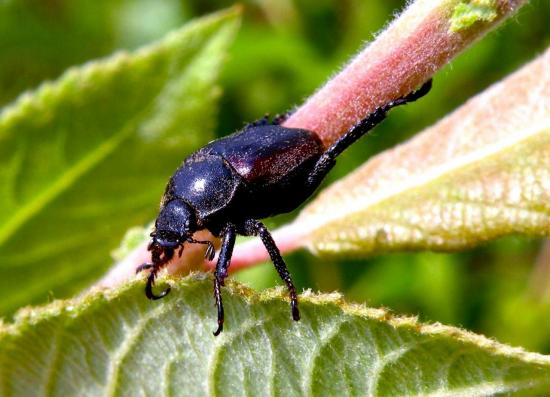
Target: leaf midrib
x,y
66,180
318,221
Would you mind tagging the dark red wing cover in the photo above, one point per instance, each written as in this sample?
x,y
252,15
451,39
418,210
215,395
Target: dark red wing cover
x,y
265,154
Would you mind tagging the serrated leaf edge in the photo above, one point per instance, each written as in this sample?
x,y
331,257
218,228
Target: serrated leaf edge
x,y
71,308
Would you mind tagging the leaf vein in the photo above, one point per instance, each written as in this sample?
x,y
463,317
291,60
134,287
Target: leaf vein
x,y
315,354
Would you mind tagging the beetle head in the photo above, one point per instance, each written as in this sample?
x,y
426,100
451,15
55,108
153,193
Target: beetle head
x,y
175,225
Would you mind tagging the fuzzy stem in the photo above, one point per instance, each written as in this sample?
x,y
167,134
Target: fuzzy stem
x,y
421,41
424,38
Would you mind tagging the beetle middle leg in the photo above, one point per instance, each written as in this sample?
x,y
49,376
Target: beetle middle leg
x,y
254,228
220,273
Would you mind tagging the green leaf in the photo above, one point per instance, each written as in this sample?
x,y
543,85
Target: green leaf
x,y
478,174
30,33
120,343
87,156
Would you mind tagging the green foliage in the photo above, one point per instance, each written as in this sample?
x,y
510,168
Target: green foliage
x,y
78,152
115,343
31,33
85,158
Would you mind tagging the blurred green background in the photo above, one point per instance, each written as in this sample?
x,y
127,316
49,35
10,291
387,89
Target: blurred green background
x,y
284,51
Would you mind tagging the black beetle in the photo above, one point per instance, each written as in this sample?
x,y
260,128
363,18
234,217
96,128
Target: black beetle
x,y
226,186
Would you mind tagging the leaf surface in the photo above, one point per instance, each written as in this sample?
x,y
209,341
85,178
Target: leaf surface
x,y
480,173
88,155
119,343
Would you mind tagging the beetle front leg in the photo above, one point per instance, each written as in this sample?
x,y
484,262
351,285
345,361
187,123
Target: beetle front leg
x,y
254,228
158,263
210,250
220,273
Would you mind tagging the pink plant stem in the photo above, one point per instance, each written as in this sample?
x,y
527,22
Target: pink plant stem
x,y
409,52
416,45
427,35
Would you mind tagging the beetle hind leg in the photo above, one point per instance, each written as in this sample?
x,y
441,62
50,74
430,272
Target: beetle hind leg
x,y
328,158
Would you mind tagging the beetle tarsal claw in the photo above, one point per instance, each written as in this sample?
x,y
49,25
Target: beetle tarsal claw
x,y
210,251
149,288
219,330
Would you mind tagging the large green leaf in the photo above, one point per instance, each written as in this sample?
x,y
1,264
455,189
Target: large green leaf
x,y
86,156
119,343
480,173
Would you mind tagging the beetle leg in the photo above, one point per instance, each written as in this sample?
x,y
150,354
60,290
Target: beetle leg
x,y
224,260
281,118
210,250
149,287
263,121
327,159
253,227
